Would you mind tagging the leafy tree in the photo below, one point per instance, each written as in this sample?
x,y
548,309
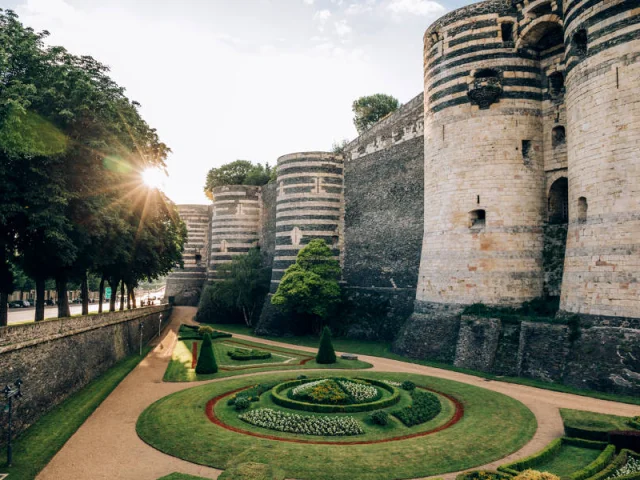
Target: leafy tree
x,y
339,147
371,109
240,172
310,286
207,359
326,353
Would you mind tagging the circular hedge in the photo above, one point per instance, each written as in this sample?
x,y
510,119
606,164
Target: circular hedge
x,y
286,402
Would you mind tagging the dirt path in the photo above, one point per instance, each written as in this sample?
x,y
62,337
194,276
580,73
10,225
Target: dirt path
x,y
106,446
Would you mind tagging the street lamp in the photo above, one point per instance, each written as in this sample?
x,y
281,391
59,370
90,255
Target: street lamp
x,y
10,392
159,325
141,327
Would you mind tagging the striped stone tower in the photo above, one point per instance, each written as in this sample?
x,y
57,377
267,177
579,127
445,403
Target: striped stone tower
x,y
185,284
235,224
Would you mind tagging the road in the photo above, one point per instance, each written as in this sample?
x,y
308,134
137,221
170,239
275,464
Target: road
x,y
22,315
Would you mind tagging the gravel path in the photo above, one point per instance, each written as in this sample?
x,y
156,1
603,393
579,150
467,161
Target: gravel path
x,y
106,446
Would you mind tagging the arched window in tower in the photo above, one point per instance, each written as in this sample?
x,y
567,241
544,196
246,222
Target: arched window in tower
x,y
558,136
579,42
198,259
582,210
556,84
477,218
558,202
506,29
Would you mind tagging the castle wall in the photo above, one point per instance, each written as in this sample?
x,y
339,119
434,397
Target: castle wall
x,y
602,265
267,240
185,284
235,224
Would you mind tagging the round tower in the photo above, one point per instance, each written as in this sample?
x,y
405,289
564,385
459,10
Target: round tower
x,y
602,263
235,224
484,167
309,205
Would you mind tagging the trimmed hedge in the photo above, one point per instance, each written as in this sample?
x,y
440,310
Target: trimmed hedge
x,y
626,439
597,465
326,354
483,475
242,355
190,332
286,402
587,433
207,359
514,468
617,462
425,406
635,423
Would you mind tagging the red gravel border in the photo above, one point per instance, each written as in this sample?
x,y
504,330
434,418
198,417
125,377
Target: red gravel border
x,y
194,354
457,416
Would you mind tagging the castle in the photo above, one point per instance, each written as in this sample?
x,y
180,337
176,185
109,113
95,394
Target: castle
x,y
516,175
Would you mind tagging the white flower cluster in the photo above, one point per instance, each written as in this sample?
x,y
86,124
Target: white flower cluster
x,y
359,391
306,386
303,424
393,384
632,466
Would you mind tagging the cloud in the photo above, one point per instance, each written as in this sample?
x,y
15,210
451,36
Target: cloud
x,y
359,8
320,18
342,28
423,8
309,2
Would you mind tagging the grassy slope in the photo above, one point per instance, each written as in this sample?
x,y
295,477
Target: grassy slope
x,y
34,448
179,368
181,476
383,349
176,425
568,460
594,421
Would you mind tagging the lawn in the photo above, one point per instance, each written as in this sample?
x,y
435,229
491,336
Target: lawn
x,y
493,426
36,446
181,476
568,460
179,368
594,421
383,349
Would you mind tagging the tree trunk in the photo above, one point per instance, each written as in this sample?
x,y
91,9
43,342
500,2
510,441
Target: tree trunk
x,y
133,297
246,318
63,297
84,293
4,311
114,293
122,297
39,299
128,297
101,295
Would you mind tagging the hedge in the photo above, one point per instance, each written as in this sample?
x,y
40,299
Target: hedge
x,y
586,433
248,355
635,423
283,401
626,439
547,452
597,465
190,332
617,462
483,475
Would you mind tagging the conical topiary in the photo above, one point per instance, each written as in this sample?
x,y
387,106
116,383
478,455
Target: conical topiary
x,y
207,359
326,353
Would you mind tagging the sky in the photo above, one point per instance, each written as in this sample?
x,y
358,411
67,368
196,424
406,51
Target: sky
x,y
223,80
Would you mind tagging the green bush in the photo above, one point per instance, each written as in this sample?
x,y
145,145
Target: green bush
x,y
207,359
483,475
379,417
202,329
253,393
425,406
326,354
251,471
597,465
242,355
242,403
191,332
408,385
635,422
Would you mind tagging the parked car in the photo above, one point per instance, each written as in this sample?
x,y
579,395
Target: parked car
x,y
77,300
19,304
49,302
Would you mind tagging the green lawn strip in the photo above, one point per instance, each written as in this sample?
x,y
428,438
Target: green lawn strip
x,y
590,425
177,425
37,445
181,476
383,349
568,459
179,368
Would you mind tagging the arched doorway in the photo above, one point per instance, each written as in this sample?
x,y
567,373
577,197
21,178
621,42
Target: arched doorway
x,y
555,236
558,202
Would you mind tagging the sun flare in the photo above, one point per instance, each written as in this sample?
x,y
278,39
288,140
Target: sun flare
x,y
154,178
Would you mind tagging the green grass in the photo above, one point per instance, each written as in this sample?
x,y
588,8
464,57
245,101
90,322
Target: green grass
x,y
383,349
181,476
179,368
568,460
37,445
594,421
177,425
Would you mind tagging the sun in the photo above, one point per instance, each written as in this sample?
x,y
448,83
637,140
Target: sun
x,y
154,178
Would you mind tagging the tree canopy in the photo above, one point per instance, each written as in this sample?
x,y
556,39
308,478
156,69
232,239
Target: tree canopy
x,y
371,109
240,172
72,151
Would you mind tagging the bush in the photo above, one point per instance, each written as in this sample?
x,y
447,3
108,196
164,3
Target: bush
x,y
202,329
483,475
425,406
635,422
251,471
301,377
535,475
191,332
620,461
240,354
379,417
242,403
408,385
326,354
207,359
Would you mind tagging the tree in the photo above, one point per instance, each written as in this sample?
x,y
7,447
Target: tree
x,y
207,359
240,172
326,353
339,147
310,286
371,109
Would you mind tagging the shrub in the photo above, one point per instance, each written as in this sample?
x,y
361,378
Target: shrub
x,y
408,385
379,417
242,403
635,422
301,377
326,353
253,393
620,461
202,329
191,332
425,406
483,475
207,359
242,354
535,475
629,469
251,471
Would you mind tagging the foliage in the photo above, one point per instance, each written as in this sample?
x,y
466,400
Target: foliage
x,y
242,403
302,424
535,475
408,385
192,332
310,286
253,393
339,147
202,329
207,359
591,425
326,392
359,391
239,172
425,406
213,307
618,462
251,471
538,309
635,422
631,467
371,109
379,417
326,353
483,475
597,465
246,354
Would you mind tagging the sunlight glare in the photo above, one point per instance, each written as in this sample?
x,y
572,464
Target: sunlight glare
x,y
154,178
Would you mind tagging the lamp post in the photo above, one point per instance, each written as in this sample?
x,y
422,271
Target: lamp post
x,y
10,392
159,325
141,327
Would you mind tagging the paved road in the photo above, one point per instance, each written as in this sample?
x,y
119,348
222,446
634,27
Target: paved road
x,y
20,315
107,447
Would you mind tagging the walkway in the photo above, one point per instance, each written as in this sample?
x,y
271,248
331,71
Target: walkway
x,y
107,447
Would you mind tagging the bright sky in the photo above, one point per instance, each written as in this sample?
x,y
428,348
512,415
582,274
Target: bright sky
x,y
244,79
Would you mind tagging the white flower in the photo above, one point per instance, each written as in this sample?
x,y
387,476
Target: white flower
x,y
302,424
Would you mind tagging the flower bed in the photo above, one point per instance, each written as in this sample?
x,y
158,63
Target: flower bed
x,y
359,391
247,354
631,469
302,424
425,407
